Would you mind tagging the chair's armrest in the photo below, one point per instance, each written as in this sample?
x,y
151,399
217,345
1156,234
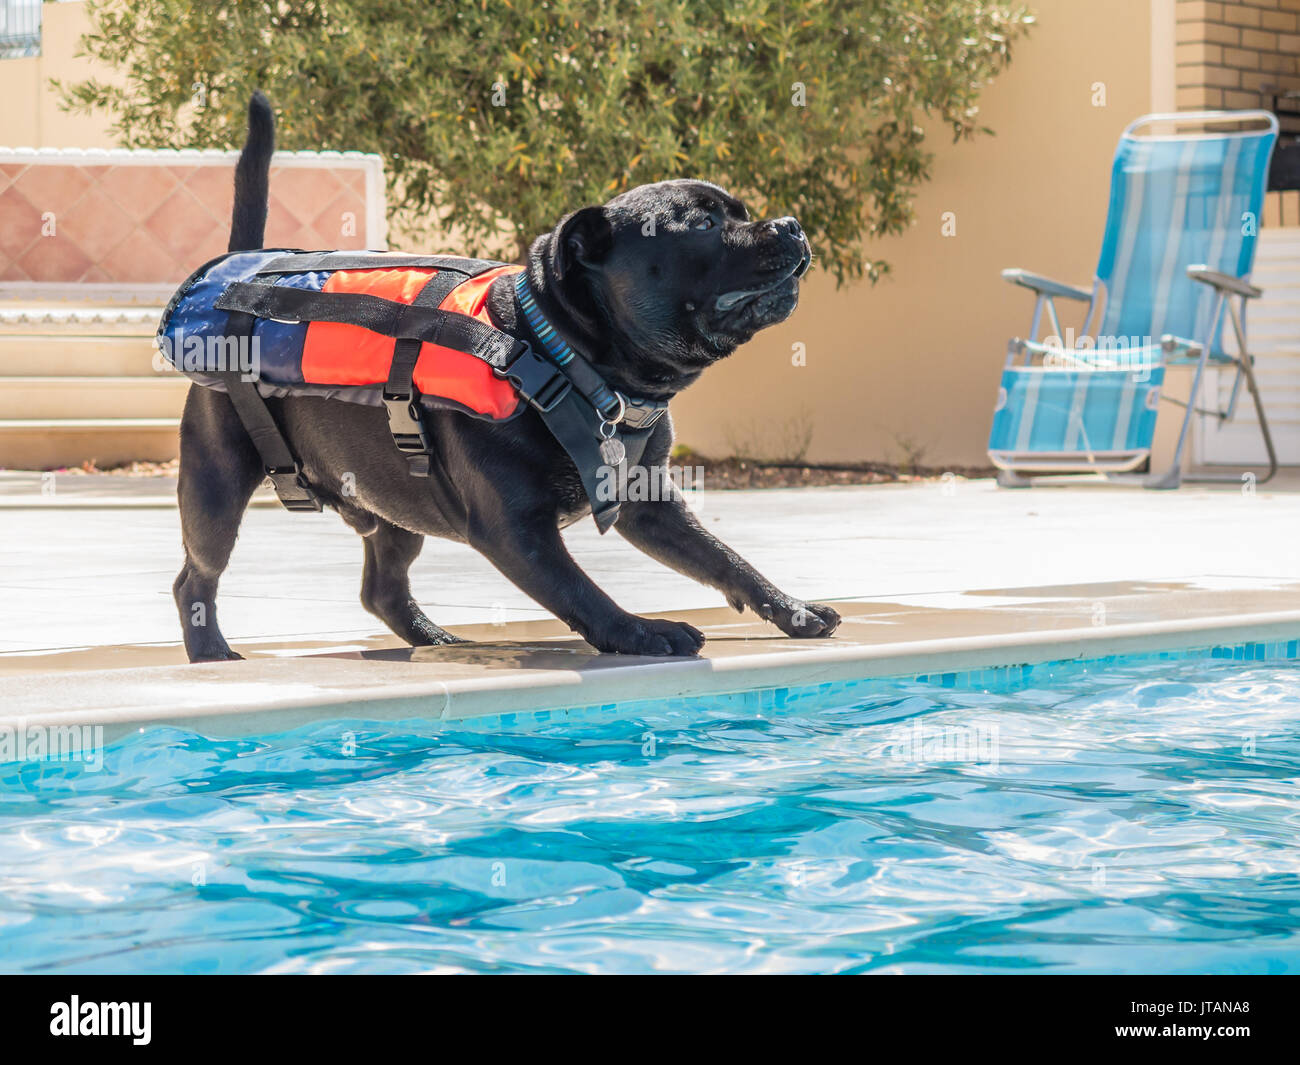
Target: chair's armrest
x,y
1224,282
1047,286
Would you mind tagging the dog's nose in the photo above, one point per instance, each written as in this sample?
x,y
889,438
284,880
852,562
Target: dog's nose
x,y
790,227
786,225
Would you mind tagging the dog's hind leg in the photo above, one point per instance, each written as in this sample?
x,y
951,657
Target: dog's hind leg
x,y
386,585
219,471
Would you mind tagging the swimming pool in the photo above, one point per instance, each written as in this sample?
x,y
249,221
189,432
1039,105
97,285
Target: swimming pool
x,y
1136,815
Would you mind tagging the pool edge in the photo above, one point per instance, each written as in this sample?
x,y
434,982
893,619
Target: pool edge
x,y
274,695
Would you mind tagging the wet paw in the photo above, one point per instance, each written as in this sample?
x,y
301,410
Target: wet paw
x,y
216,656
427,634
802,620
650,636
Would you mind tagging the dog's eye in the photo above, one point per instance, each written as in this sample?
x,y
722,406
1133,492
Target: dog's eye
x,y
703,223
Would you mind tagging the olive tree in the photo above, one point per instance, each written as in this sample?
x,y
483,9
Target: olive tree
x,y
497,117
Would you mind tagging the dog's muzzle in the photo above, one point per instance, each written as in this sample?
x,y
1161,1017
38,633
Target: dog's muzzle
x,y
785,230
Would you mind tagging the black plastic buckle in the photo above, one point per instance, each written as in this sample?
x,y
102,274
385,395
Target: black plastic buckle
x,y
409,434
292,489
538,380
404,422
642,414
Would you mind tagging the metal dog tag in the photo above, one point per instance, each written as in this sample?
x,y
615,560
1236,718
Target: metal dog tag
x,y
613,452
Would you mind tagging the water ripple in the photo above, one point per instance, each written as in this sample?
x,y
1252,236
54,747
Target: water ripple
x,y
1139,818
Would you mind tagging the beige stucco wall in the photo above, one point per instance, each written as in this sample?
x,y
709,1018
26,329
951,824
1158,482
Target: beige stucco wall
x,y
915,358
918,355
30,116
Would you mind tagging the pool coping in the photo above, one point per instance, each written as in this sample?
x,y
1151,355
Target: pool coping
x,y
276,694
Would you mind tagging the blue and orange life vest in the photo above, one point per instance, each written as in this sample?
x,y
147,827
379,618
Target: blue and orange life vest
x,y
338,359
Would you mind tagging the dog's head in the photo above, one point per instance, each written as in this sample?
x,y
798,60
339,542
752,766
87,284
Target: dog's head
x,y
668,278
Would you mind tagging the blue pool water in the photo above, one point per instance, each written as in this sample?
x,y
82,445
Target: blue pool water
x,y
1142,816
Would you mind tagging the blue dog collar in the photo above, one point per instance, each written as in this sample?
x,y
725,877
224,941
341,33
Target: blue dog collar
x,y
556,346
611,405
614,407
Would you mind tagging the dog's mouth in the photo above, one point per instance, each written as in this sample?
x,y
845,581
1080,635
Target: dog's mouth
x,y
730,301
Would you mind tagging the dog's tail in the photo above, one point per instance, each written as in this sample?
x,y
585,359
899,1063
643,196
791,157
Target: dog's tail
x,y
252,178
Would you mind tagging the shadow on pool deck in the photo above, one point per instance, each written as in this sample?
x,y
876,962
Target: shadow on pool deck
x,y
544,645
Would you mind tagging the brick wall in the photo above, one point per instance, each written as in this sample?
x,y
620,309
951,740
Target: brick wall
x,y
1230,53
1235,55
149,218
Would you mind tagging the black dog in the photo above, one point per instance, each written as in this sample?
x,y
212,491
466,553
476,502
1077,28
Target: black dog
x,y
653,287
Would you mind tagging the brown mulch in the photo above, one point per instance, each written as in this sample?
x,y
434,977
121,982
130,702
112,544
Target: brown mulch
x,y
758,473
130,469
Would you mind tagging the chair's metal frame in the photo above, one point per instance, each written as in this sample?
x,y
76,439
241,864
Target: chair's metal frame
x,y
1116,466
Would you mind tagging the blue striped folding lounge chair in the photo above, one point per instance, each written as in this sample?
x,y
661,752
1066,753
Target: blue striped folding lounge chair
x,y
1185,204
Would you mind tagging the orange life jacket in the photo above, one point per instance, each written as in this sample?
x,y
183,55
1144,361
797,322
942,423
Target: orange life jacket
x,y
335,353
341,359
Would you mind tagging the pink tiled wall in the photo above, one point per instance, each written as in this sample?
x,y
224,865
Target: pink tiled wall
x,y
146,223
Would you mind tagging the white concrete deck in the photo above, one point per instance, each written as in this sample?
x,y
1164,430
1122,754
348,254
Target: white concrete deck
x,y
86,587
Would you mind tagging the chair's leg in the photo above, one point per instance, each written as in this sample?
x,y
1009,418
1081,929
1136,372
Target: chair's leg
x,y
1170,478
1231,478
1245,365
1173,476
1263,420
1008,479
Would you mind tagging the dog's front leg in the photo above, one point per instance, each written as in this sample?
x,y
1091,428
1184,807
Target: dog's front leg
x,y
530,552
667,531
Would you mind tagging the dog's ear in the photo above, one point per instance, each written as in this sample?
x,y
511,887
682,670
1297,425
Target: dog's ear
x,y
585,238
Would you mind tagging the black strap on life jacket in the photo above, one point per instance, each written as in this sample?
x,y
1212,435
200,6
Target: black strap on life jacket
x,y
278,461
306,262
410,325
379,315
401,397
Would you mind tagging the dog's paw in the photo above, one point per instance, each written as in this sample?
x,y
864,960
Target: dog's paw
x,y
803,620
649,636
216,656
